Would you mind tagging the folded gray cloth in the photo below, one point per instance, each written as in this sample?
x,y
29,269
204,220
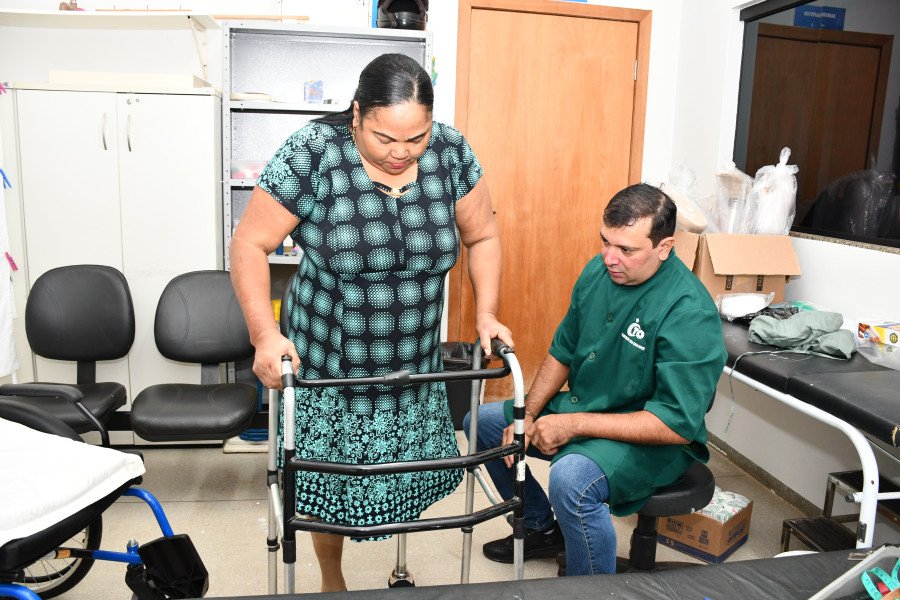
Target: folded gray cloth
x,y
813,330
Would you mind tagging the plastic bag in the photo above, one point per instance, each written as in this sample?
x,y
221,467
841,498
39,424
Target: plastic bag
x,y
773,199
732,306
732,188
859,203
680,188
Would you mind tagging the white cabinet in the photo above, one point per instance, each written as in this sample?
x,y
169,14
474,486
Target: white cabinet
x,y
129,180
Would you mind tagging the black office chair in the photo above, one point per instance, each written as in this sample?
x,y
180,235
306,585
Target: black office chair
x,y
80,313
198,320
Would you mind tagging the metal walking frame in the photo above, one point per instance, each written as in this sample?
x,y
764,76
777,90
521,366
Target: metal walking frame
x,y
283,524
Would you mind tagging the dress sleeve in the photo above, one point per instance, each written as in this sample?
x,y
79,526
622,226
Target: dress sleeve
x,y
292,175
690,357
465,170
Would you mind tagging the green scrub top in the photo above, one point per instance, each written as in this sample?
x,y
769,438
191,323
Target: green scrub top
x,y
656,346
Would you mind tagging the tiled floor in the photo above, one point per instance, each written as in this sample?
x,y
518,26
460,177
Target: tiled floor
x,y
220,501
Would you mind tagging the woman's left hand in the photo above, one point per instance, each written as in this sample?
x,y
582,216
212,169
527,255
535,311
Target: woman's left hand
x,y
488,328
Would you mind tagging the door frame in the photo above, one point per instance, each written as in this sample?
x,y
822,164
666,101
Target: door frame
x,y
642,18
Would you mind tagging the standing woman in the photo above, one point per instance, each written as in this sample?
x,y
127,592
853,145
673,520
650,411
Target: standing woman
x,y
379,197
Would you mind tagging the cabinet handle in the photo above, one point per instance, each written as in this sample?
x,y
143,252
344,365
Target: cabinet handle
x,y
128,133
103,131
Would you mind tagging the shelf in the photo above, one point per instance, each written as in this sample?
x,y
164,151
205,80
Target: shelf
x,y
275,259
271,106
105,19
242,183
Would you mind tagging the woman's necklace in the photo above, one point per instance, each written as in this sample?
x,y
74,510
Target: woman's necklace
x,y
390,191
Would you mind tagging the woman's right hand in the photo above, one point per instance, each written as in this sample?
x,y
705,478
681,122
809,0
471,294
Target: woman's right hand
x,y
270,347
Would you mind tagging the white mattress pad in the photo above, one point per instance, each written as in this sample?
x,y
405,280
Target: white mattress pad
x,y
45,478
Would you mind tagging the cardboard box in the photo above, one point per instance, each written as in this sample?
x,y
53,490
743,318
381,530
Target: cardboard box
x,y
879,331
729,263
703,537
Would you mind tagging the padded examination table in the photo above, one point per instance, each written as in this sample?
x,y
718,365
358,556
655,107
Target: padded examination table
x,y
763,579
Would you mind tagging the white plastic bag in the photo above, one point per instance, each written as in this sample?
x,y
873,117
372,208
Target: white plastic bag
x,y
680,188
773,198
732,188
732,306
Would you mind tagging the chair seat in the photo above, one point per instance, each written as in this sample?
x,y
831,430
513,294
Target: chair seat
x,y
692,491
175,412
101,399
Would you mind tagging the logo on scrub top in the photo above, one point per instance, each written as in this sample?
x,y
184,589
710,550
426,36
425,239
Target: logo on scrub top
x,y
634,331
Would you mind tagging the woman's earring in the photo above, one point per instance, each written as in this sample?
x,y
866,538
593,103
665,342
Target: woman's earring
x,y
353,134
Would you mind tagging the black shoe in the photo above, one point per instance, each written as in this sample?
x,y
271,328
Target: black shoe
x,y
538,544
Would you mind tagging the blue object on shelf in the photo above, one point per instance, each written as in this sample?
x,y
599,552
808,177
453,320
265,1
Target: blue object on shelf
x,y
6,182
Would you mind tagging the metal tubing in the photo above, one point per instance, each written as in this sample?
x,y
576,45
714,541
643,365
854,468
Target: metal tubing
x,y
154,505
858,496
474,402
400,569
20,592
364,531
290,583
409,466
274,497
519,466
406,378
868,498
476,472
289,537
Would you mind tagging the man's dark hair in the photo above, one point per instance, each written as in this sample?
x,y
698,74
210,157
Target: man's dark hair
x,y
388,80
637,202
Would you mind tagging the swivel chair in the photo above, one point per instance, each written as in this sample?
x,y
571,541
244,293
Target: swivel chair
x,y
80,313
198,320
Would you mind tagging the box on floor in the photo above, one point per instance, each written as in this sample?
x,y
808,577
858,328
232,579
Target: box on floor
x,y
704,537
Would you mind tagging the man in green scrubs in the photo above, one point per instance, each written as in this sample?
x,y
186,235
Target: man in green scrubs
x,y
641,349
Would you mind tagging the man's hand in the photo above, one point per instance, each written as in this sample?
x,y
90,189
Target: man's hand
x,y
508,439
551,432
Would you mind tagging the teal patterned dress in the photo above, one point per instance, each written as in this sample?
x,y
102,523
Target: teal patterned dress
x,y
367,300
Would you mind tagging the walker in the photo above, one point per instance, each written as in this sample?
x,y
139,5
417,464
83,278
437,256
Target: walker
x,y
283,524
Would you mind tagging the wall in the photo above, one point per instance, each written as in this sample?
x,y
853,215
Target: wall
x,y
795,449
692,100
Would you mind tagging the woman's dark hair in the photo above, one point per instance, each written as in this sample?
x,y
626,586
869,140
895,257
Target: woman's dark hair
x,y
388,80
637,202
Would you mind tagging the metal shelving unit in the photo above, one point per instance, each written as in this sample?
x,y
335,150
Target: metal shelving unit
x,y
275,60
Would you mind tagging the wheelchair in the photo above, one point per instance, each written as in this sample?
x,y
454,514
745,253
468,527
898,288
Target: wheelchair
x,y
56,557
284,523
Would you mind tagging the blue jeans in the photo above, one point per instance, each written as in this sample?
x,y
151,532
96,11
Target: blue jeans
x,y
578,495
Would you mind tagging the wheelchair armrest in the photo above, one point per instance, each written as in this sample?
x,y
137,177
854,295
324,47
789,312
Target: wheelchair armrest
x,y
56,390
37,390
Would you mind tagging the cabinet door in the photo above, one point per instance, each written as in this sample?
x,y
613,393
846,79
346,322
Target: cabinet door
x,y
70,187
171,211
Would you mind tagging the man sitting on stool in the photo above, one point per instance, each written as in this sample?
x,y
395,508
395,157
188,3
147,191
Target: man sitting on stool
x,y
641,348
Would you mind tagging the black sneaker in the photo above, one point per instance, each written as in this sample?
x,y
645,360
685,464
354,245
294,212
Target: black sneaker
x,y
538,544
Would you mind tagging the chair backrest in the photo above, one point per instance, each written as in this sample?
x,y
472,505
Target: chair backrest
x,y
80,313
199,320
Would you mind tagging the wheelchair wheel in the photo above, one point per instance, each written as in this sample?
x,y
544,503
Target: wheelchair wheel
x,y
50,577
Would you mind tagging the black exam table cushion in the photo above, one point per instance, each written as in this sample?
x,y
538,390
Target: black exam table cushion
x,y
775,370
762,579
868,401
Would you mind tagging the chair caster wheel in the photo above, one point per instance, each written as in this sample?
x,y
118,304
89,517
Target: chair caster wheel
x,y
401,581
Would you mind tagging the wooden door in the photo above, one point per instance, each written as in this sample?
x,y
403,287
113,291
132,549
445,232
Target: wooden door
x,y
171,215
551,96
820,93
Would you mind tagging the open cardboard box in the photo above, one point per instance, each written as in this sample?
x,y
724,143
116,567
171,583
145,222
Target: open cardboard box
x,y
703,537
728,263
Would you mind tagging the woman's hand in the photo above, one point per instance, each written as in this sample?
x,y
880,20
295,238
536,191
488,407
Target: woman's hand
x,y
488,328
270,347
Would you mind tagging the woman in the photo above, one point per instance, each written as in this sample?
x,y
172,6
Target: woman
x,y
375,196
